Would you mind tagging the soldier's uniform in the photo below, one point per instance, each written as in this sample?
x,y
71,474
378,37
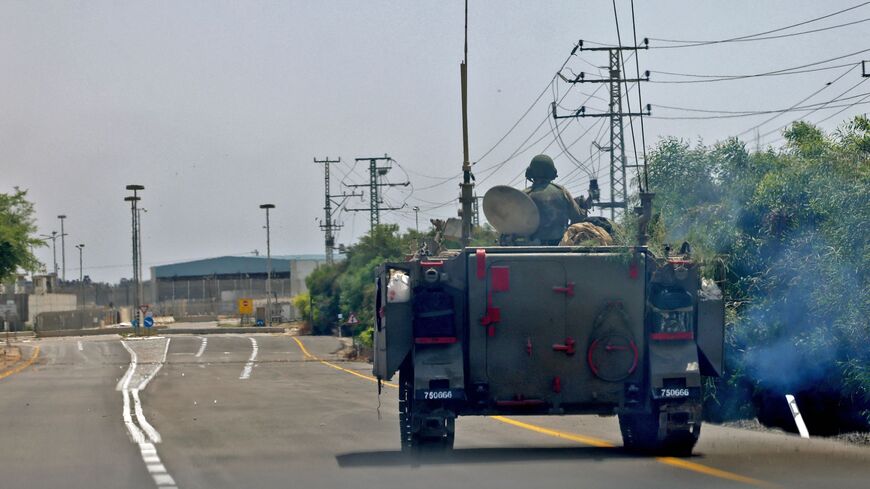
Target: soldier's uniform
x,y
556,208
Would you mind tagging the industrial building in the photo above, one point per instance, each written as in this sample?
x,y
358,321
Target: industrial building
x,y
214,285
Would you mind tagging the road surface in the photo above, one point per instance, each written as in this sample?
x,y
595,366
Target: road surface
x,y
266,411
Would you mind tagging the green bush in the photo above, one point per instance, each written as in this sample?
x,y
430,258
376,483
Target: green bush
x,y
794,225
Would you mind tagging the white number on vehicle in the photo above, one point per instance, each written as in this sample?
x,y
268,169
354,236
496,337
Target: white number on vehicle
x,y
436,395
675,393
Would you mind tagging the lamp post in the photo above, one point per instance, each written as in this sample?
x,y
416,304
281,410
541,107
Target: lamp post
x,y
53,238
137,245
268,264
81,247
62,246
416,219
139,211
133,199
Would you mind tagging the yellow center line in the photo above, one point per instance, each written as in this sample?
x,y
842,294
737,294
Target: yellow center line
x,y
721,474
330,364
22,366
586,440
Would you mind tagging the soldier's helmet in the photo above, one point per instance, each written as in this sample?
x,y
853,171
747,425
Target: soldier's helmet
x,y
542,166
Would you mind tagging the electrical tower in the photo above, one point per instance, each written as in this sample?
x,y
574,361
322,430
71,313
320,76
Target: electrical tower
x,y
618,181
374,185
327,224
475,211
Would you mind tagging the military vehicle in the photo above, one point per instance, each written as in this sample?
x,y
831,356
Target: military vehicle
x,y
549,330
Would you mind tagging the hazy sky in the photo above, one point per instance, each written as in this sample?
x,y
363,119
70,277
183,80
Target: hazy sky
x,y
217,107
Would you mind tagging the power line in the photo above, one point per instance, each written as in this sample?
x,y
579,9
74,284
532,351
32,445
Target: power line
x,y
627,97
820,106
804,108
784,71
756,36
846,108
728,77
799,102
529,109
823,106
640,103
720,111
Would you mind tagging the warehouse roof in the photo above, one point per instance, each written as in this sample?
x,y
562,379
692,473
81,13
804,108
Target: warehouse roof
x,y
230,265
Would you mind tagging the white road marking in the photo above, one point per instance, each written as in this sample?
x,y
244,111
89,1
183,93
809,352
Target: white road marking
x,y
81,347
155,467
123,386
249,367
798,419
202,347
153,435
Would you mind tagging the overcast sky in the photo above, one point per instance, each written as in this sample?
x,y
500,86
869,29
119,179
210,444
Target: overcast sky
x,y
217,107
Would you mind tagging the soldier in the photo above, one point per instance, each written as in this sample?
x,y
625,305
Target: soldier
x,y
556,207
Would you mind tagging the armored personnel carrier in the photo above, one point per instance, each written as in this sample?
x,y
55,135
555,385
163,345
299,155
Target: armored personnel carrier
x,y
549,330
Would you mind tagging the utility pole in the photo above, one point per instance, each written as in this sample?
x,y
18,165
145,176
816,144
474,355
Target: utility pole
x,y
417,218
328,225
864,72
466,193
62,246
618,181
374,185
268,264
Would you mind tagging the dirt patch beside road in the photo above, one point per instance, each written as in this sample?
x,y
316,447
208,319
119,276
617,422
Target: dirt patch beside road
x,y
9,357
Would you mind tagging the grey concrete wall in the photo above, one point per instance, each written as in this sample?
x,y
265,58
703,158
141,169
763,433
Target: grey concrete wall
x,y
38,304
66,320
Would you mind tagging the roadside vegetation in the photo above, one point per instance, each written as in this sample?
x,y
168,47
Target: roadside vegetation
x,y
793,229
348,286
17,234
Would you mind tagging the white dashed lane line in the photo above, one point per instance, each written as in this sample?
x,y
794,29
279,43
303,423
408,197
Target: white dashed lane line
x,y
249,367
80,346
155,467
202,347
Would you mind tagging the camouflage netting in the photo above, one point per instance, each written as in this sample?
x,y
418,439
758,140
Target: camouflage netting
x,y
585,233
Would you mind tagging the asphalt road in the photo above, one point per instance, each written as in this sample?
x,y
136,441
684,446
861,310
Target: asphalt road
x,y
217,415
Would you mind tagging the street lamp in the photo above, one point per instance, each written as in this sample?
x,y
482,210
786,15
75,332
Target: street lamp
x,y
81,247
137,245
81,270
133,199
62,246
139,211
53,238
268,264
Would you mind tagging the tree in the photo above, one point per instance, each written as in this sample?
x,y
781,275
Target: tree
x,y
348,287
794,225
17,227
